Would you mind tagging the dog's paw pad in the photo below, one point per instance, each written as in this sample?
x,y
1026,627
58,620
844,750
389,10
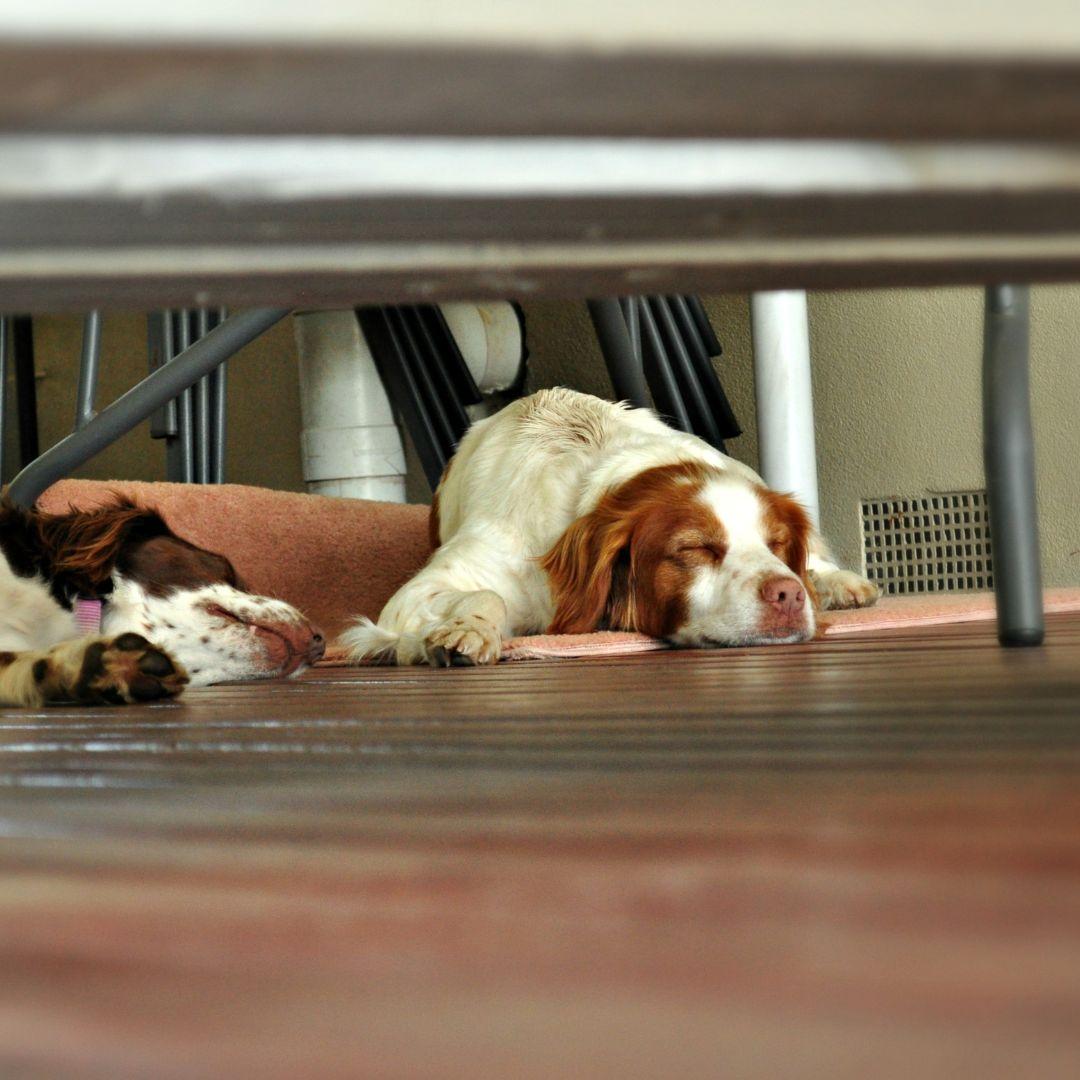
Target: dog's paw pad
x,y
125,670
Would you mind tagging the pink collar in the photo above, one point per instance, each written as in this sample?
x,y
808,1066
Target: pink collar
x,y
88,616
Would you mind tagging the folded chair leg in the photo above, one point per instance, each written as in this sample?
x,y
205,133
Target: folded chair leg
x,y
184,455
89,363
203,419
659,374
617,332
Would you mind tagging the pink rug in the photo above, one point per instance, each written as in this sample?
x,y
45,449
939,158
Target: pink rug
x,y
334,559
890,613
894,612
338,558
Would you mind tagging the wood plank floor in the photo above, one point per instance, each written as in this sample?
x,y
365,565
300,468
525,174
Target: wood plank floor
x,y
855,858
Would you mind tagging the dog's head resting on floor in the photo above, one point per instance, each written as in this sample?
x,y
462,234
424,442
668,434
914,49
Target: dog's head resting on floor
x,y
185,599
690,553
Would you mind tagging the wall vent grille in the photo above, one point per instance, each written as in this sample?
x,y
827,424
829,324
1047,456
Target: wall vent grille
x,y
932,543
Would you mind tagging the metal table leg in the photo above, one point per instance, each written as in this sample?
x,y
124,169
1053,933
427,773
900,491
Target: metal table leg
x,y
140,401
1008,451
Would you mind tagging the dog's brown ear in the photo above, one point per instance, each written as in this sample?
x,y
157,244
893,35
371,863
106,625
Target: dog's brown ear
x,y
580,568
83,547
163,564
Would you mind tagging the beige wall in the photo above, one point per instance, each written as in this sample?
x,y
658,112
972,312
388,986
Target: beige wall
x,y
896,384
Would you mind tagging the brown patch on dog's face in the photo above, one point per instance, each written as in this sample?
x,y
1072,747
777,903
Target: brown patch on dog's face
x,y
628,564
787,533
670,542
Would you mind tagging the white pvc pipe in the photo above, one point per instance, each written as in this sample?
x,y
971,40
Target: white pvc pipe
x,y
785,399
489,337
351,445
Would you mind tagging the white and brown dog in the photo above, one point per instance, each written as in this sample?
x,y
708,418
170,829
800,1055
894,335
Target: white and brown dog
x,y
169,613
566,513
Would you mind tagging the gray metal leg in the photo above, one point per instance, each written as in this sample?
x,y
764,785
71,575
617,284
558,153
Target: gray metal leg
x,y
658,371
185,408
691,390
202,432
1010,466
220,402
629,307
159,347
219,395
89,362
140,401
623,360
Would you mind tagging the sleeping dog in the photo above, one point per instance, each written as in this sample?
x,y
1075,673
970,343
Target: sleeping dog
x,y
568,514
171,614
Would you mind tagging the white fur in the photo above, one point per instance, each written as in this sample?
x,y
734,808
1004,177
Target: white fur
x,y
518,480
725,605
212,646
29,616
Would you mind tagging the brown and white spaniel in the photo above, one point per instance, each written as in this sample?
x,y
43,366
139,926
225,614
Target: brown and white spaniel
x,y
565,513
164,612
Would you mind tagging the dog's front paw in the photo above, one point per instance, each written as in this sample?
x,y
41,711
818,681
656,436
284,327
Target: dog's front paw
x,y
463,640
108,671
839,589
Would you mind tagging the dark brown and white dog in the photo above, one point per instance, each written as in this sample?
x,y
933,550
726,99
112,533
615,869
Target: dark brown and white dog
x,y
172,613
567,513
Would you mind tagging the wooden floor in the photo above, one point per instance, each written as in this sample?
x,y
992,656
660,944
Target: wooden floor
x,y
849,859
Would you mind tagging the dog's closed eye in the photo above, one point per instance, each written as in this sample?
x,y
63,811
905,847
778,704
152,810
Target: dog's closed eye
x,y
218,612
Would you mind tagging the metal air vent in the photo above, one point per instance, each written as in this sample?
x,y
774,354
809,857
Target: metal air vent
x,y
931,543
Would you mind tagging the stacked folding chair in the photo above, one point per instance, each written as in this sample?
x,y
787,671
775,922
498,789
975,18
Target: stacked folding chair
x,y
663,347
425,377
658,349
